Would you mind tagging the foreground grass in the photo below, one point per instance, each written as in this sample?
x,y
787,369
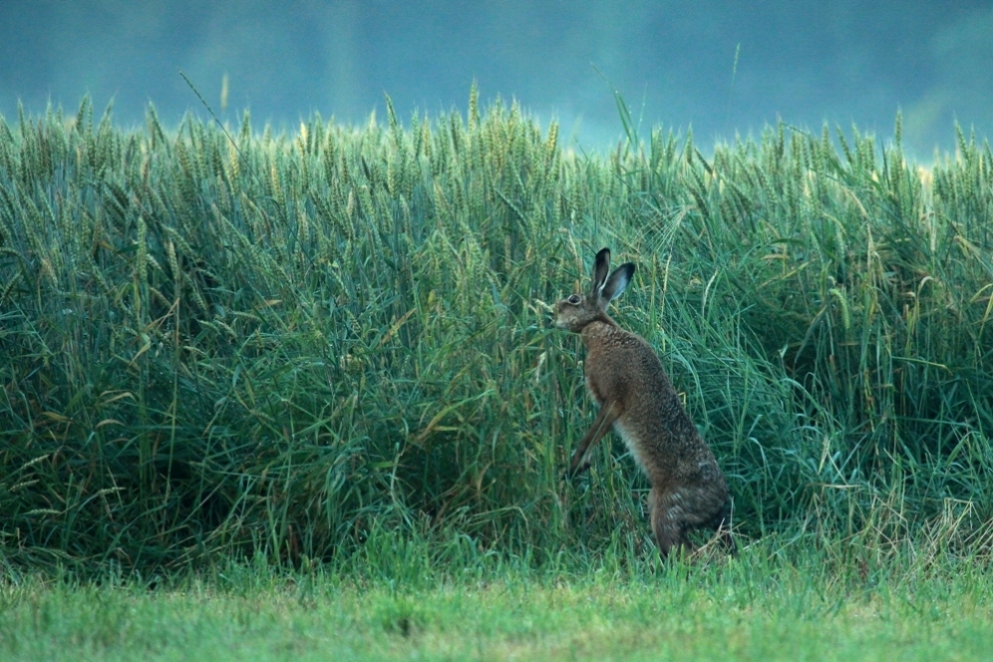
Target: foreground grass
x,y
750,609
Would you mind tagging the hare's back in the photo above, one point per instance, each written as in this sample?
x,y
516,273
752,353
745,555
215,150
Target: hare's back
x,y
622,366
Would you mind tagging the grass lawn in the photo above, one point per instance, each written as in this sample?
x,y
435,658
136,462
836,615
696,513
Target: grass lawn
x,y
750,609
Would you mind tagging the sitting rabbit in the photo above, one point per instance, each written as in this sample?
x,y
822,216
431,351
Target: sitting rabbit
x,y
635,396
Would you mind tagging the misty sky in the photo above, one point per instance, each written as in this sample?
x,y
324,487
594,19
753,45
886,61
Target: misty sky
x,y
805,61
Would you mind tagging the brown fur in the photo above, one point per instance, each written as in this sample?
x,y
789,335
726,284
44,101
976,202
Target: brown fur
x,y
627,380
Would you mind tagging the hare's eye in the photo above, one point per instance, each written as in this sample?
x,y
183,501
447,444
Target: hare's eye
x,y
574,299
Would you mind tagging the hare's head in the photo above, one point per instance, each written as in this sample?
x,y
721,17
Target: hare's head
x,y
577,310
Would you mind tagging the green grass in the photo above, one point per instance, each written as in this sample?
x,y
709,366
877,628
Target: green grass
x,y
286,345
277,396
760,607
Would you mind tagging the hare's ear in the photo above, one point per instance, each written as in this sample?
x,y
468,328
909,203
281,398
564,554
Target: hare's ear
x,y
616,284
600,269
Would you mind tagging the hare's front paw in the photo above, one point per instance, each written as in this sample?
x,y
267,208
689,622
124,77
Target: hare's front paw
x,y
573,472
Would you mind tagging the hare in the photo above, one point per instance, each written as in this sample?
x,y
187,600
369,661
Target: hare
x,y
627,380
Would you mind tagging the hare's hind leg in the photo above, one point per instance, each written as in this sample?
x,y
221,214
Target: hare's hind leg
x,y
721,523
668,523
